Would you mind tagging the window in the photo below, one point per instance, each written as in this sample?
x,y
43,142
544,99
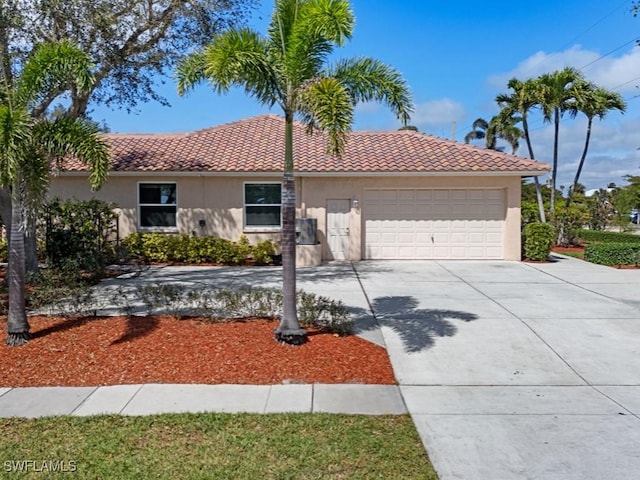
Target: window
x,y
158,207
262,205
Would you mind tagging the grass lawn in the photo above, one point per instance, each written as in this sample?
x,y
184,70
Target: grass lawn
x,y
207,446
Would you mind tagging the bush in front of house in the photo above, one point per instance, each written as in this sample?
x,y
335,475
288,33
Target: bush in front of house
x,y
163,248
602,236
538,239
613,253
314,311
79,234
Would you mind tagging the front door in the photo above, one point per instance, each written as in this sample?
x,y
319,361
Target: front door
x,y
338,228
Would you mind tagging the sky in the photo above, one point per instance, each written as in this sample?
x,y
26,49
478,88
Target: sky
x,y
456,57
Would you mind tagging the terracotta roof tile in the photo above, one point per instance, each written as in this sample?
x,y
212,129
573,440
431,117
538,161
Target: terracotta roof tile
x,y
257,145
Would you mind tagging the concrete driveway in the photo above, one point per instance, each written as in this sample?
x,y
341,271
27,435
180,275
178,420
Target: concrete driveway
x,y
513,370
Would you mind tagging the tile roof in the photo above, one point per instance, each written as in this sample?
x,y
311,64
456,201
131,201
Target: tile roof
x,y
257,145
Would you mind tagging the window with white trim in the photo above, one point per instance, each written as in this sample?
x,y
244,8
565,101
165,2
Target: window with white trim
x,y
157,205
262,205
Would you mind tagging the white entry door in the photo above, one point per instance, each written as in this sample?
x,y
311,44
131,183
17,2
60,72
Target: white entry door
x,y
338,228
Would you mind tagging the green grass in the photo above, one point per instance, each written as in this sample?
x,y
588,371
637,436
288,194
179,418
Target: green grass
x,y
211,446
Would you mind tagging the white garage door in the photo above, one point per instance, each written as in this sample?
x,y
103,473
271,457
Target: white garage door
x,y
432,224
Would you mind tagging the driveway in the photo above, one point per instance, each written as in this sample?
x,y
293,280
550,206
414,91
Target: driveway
x,y
510,370
513,370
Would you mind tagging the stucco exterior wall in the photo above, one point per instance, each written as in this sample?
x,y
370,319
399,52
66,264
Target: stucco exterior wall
x,y
218,200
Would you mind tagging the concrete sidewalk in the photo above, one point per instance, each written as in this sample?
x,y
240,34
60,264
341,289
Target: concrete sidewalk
x,y
157,399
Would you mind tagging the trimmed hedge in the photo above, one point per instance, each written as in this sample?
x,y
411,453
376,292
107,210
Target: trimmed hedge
x,y
602,236
538,240
613,254
161,247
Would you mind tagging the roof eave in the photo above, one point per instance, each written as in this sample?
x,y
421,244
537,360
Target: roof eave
x,y
443,173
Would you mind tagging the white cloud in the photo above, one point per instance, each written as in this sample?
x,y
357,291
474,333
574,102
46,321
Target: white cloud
x,y
621,73
437,113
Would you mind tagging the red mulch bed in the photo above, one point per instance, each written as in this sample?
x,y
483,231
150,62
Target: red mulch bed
x,y
572,249
159,349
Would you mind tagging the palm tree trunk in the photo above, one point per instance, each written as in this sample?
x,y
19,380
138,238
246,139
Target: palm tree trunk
x,y
289,330
17,324
554,172
31,247
581,164
525,127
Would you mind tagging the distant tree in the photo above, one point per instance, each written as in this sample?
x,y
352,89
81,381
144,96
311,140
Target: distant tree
x,y
593,102
501,126
288,68
480,130
555,93
518,104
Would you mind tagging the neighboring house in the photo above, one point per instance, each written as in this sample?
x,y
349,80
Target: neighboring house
x,y
393,195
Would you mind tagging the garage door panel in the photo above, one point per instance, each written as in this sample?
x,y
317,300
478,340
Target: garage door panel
x,y
421,223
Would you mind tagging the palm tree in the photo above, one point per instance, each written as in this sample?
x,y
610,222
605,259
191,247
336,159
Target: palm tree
x,y
593,102
29,143
481,130
500,126
287,67
556,93
517,105
506,127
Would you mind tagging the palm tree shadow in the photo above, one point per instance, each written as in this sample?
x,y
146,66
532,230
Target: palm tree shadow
x,y
67,324
137,327
418,328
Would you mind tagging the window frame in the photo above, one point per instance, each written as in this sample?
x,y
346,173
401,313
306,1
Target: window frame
x,y
141,205
268,228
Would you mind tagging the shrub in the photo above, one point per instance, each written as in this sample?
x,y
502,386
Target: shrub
x,y
263,252
600,236
163,248
80,232
568,221
538,240
4,251
612,254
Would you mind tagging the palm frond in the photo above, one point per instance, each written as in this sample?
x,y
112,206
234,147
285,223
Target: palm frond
x,y
16,138
326,104
368,79
52,69
234,58
77,137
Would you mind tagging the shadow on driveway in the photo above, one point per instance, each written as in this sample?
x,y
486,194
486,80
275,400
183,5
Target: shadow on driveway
x,y
417,327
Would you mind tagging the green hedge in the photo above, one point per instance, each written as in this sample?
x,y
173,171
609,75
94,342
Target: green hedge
x,y
538,238
612,254
601,236
161,247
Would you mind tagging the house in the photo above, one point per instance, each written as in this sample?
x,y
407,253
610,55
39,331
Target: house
x,y
393,195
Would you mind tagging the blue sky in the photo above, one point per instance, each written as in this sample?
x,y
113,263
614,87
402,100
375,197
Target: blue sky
x,y
457,56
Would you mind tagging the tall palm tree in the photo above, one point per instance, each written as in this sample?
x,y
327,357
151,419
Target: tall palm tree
x,y
593,102
519,103
29,143
556,93
287,67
